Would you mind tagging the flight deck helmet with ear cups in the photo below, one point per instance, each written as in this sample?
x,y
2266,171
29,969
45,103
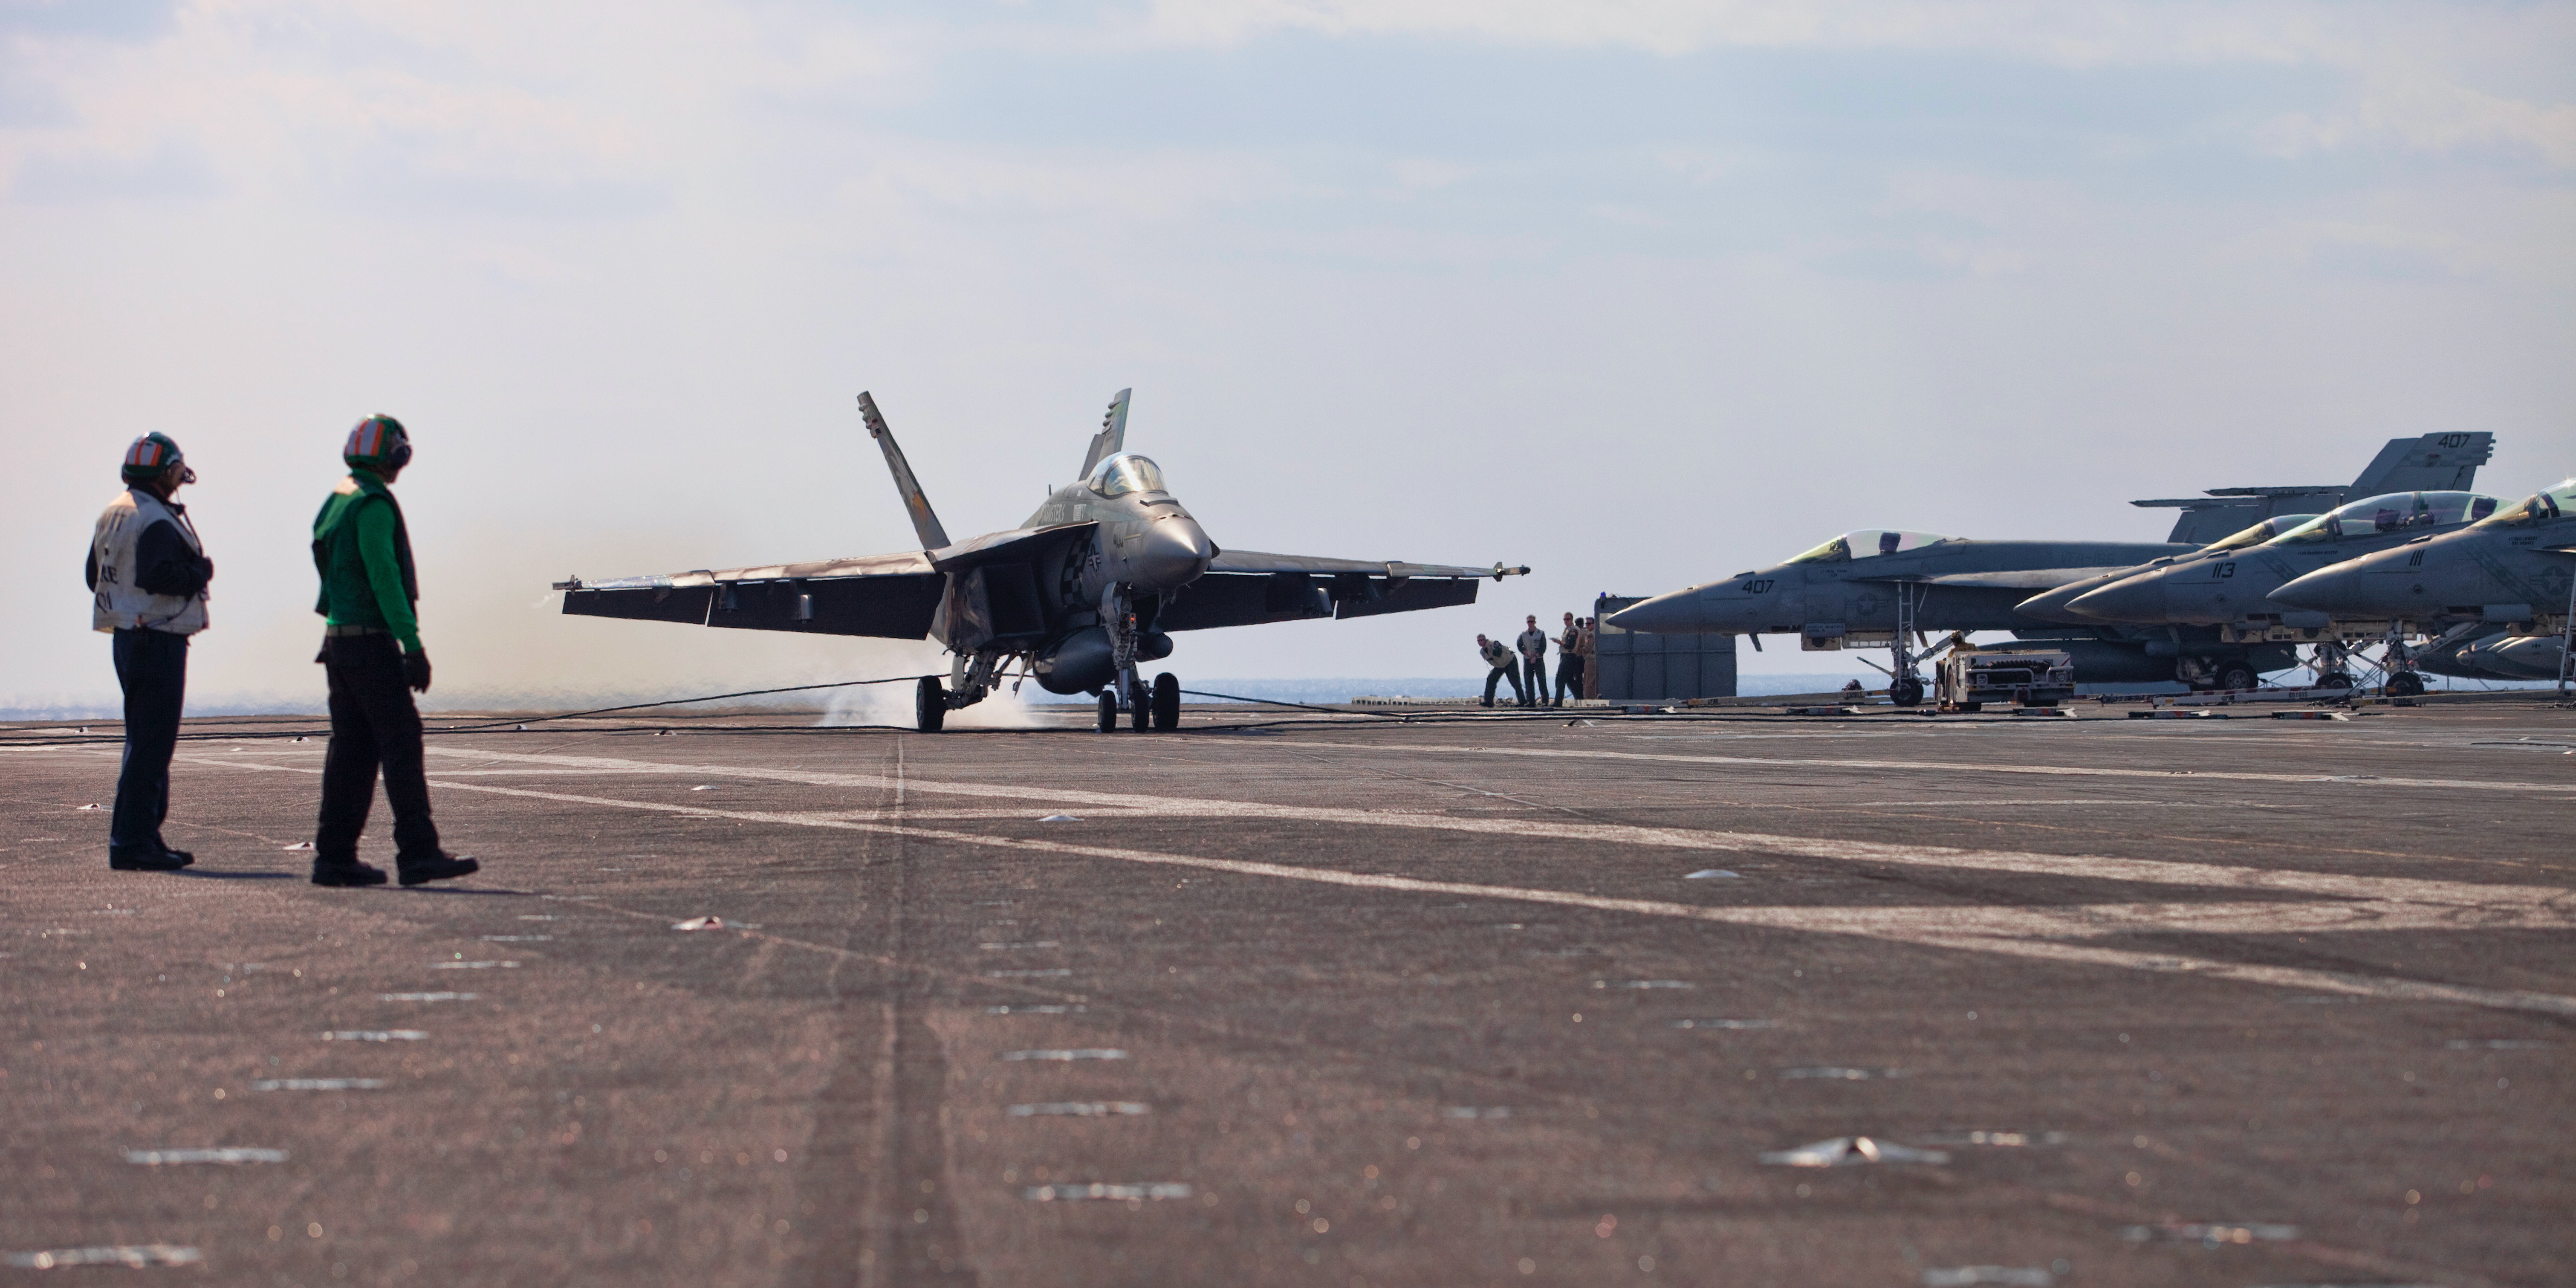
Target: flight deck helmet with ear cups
x,y
377,441
153,454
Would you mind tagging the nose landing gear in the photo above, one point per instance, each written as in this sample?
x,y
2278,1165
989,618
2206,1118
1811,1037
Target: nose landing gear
x,y
1156,708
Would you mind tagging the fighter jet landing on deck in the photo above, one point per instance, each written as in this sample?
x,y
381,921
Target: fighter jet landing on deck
x,y
1091,585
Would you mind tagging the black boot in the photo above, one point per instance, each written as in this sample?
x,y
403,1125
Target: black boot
x,y
142,860
346,872
436,867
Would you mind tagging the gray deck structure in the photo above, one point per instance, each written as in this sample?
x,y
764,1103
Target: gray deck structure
x,y
1493,1001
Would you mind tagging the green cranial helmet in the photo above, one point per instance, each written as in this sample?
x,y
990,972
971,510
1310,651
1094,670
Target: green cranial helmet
x,y
377,442
152,456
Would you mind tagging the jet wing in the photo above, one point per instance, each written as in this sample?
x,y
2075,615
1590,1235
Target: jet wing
x,y
2024,579
1249,587
891,596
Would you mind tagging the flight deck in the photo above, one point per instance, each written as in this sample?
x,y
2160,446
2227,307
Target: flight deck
x,y
1315,998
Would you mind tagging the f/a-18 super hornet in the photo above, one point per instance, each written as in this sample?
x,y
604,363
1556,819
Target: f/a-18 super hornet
x,y
1094,583
2511,571
1881,587
2498,653
2235,589
2051,606
2231,592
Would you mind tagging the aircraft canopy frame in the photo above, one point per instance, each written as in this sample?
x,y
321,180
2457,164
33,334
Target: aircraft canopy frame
x,y
1869,543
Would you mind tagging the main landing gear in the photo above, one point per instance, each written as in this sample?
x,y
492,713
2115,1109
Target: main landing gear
x,y
930,705
970,679
1158,708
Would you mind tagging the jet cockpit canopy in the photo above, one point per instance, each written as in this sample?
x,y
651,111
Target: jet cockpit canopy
x,y
1870,542
2394,512
1125,473
2539,507
2260,533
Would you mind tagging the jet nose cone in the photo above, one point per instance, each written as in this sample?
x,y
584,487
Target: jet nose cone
x,y
1675,612
2139,599
2340,589
1172,553
2051,606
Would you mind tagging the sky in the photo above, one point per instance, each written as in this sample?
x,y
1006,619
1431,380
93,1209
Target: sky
x,y
1637,293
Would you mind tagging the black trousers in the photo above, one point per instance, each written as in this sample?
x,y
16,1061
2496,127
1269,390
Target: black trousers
x,y
1535,671
1569,674
1499,674
373,726
152,667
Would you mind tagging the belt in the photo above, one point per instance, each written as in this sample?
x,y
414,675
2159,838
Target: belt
x,y
340,632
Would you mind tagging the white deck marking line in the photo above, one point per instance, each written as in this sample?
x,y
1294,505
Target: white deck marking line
x,y
2500,899
1947,928
2070,771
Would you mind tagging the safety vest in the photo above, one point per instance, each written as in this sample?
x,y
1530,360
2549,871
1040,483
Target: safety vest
x,y
120,604
348,596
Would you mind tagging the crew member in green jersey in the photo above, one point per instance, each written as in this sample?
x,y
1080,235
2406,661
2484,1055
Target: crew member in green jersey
x,y
371,653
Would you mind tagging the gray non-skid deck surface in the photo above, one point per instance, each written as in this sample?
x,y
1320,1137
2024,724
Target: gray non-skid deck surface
x,y
1398,1005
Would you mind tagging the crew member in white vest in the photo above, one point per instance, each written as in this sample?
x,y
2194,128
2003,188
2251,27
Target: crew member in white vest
x,y
147,574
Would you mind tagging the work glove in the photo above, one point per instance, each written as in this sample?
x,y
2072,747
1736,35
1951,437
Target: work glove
x,y
205,569
416,671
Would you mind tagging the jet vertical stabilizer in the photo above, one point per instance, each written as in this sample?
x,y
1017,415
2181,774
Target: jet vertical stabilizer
x,y
2430,463
924,523
2433,463
1112,438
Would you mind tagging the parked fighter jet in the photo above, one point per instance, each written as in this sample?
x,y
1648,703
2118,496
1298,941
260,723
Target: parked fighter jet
x,y
2496,653
1091,585
2228,591
2515,566
1838,593
2051,606
1876,588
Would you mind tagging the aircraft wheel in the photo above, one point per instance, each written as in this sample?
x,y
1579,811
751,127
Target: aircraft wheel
x,y
1108,711
2405,684
1141,705
1167,701
929,705
2237,675
2334,680
1906,691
